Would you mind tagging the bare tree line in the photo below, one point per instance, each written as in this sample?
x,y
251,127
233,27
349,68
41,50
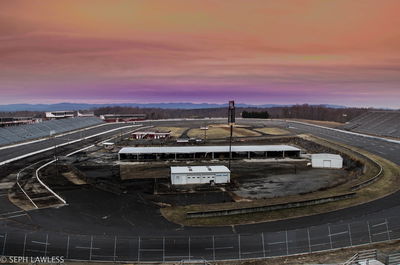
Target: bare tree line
x,y
305,111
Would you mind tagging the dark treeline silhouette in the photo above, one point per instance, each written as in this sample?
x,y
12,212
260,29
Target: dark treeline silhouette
x,y
309,112
29,114
305,111
255,114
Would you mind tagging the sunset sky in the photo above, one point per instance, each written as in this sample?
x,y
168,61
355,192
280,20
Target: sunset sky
x,y
256,52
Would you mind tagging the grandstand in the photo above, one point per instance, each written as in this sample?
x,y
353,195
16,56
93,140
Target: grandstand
x,y
383,123
15,134
13,121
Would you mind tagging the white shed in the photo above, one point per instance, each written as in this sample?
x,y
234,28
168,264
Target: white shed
x,y
326,161
108,145
200,175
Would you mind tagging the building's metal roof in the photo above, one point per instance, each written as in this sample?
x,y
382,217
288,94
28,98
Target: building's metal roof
x,y
326,156
150,132
199,169
205,149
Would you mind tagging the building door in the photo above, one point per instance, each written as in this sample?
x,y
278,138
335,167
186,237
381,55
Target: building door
x,y
327,163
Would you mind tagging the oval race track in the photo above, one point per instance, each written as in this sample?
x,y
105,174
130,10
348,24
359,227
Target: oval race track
x,y
155,239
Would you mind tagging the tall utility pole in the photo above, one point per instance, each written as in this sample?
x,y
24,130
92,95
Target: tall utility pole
x,y
231,122
204,128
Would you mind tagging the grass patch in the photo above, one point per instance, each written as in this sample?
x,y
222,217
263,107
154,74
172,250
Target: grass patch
x,y
221,132
273,131
388,183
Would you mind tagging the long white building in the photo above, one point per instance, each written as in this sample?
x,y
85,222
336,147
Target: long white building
x,y
206,152
200,175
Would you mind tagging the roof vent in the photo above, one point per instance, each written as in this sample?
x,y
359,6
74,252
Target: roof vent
x,y
190,169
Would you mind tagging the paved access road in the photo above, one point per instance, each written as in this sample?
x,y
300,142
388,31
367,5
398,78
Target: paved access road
x,y
133,230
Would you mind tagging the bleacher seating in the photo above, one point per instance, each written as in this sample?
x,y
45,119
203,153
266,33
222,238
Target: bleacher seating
x,y
15,134
383,123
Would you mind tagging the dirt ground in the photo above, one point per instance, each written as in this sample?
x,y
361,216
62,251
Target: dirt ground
x,y
176,132
266,179
278,180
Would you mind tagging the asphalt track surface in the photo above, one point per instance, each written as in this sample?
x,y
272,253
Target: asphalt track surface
x,y
89,231
10,153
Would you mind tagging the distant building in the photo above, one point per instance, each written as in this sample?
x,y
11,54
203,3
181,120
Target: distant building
x,y
151,135
85,114
12,121
326,161
200,175
59,114
122,117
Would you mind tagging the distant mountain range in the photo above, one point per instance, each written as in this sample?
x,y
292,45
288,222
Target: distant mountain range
x,y
83,106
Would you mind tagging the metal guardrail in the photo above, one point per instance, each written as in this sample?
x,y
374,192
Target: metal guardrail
x,y
393,259
369,181
352,260
267,208
364,255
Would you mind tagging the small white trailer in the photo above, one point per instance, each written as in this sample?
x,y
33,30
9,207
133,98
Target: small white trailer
x,y
200,175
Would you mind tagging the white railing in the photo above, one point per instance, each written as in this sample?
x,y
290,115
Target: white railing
x,y
77,151
44,185
19,185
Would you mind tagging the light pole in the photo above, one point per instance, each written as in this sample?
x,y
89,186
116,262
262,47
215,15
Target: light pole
x,y
204,128
231,122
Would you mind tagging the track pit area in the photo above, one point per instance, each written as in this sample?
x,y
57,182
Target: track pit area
x,y
92,211
137,231
269,180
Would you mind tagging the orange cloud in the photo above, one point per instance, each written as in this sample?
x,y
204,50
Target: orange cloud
x,y
267,47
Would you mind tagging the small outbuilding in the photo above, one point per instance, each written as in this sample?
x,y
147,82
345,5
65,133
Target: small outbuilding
x,y
326,161
108,145
151,135
200,175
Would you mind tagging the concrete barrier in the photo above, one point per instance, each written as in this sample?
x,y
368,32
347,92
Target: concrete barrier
x,y
268,208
